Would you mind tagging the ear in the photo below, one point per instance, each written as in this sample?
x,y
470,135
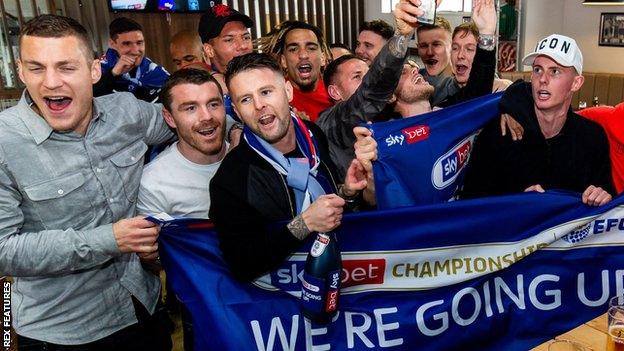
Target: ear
x,y
205,57
209,50
393,98
334,93
283,61
236,111
289,90
577,83
20,70
168,118
112,44
96,71
323,59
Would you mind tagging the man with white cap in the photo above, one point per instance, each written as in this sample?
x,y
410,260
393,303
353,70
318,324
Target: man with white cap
x,y
559,148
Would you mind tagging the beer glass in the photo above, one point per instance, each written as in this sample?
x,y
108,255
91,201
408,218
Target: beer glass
x,y
566,345
615,340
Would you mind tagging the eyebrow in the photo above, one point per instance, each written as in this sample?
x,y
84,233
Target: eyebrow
x,y
235,34
304,44
215,99
60,63
268,86
186,103
194,102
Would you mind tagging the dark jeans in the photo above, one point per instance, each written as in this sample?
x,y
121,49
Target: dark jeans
x,y
187,328
150,333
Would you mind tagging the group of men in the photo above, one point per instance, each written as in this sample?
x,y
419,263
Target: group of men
x,y
70,235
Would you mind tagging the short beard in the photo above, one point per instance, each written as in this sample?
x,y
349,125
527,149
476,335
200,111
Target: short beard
x,y
307,87
423,94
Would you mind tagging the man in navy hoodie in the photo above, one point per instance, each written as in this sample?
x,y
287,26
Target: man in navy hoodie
x,y
125,67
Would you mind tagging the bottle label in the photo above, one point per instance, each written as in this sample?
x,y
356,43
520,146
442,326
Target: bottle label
x,y
321,242
320,295
333,291
312,293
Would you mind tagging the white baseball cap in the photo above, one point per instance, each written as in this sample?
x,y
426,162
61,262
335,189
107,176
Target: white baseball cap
x,y
560,48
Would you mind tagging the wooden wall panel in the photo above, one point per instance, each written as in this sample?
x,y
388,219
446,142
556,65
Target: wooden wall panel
x,y
587,93
601,89
616,90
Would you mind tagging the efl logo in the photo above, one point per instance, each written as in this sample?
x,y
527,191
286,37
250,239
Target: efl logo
x,y
416,133
606,225
447,168
578,234
360,272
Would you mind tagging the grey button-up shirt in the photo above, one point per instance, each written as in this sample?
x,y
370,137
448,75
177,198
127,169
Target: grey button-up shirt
x,y
59,195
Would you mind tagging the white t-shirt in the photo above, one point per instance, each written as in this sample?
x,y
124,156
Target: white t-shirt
x,y
173,184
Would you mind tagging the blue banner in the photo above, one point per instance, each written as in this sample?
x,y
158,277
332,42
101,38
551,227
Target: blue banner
x,y
422,159
487,274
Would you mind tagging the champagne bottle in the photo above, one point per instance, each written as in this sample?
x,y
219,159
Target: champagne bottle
x,y
321,279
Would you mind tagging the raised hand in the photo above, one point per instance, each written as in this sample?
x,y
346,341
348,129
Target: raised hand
x,y
366,152
365,148
484,16
124,64
324,214
355,180
405,16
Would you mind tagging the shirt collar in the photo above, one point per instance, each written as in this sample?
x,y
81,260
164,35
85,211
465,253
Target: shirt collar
x,y
98,110
36,125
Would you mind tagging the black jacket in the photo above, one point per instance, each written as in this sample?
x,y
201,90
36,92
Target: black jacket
x,y
377,87
572,160
251,205
366,103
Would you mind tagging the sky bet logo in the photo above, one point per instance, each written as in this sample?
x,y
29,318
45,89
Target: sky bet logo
x,y
448,167
411,135
354,272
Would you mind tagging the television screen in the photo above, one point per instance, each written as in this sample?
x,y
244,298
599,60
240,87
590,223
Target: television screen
x,y
603,2
162,5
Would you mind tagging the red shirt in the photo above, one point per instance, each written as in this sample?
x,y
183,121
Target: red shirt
x,y
612,121
313,102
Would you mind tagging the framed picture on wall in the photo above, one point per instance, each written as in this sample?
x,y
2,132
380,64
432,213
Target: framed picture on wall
x,y
611,29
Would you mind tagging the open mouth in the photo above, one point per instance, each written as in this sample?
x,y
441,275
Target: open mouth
x,y
418,80
362,57
543,94
57,103
461,69
305,70
207,131
430,62
266,120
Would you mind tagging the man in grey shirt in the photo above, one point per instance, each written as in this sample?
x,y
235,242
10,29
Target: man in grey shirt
x,y
70,167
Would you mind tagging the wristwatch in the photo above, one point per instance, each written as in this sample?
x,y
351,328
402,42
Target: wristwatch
x,y
351,200
236,125
487,41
